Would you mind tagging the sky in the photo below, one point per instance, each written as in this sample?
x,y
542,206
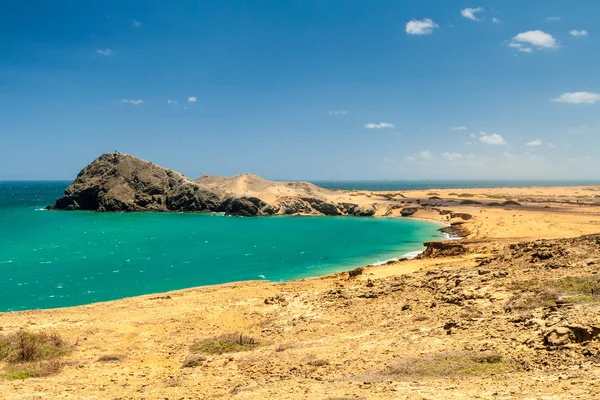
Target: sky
x,y
312,89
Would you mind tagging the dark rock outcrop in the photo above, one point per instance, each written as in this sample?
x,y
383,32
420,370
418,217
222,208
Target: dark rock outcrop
x,y
120,182
356,210
408,211
243,206
442,249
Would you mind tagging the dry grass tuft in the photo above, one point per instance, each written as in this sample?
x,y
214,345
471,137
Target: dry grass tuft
x,y
230,343
450,364
23,346
33,370
545,293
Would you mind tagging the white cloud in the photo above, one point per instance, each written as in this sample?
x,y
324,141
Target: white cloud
x,y
426,155
496,20
420,27
172,101
578,98
493,139
452,156
192,99
338,112
536,142
536,39
380,125
136,23
551,145
105,52
553,19
520,47
470,13
134,102
472,135
575,32
459,128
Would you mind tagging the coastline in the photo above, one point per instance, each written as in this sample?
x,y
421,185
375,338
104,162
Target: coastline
x,y
339,335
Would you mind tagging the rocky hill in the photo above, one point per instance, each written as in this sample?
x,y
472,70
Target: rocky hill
x,y
121,182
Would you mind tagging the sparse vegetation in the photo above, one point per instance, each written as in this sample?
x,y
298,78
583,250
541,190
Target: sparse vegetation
x,y
230,343
33,370
537,293
433,194
466,195
32,354
25,346
452,194
451,364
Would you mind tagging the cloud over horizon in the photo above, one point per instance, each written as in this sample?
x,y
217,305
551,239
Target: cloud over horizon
x,y
578,98
494,139
536,142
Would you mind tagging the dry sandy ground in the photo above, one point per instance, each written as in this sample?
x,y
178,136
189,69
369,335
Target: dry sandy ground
x,y
378,336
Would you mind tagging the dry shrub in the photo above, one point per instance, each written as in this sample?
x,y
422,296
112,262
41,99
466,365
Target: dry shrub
x,y
229,343
109,358
23,346
450,364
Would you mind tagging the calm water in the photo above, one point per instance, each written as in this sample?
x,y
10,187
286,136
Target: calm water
x,y
53,259
433,184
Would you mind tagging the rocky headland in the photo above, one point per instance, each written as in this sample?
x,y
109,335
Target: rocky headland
x,y
121,182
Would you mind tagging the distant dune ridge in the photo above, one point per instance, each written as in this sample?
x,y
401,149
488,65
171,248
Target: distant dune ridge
x,y
121,182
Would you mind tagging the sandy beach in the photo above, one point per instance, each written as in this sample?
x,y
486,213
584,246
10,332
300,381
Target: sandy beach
x,y
459,323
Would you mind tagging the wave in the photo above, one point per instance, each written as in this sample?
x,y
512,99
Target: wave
x,y
409,256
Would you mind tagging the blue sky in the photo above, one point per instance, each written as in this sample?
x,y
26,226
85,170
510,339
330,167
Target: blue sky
x,y
309,89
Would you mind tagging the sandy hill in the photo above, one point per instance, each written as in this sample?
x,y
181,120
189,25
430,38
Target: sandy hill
x,y
254,185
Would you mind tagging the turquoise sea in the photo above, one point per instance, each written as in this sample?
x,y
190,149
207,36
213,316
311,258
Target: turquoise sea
x,y
54,259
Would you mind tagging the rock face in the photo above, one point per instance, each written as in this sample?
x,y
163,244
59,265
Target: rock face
x,y
120,182
442,249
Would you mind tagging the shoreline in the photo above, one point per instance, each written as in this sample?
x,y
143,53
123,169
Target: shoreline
x,y
335,270
350,337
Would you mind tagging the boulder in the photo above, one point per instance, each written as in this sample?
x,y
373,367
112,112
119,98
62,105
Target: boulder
x,y
442,249
408,211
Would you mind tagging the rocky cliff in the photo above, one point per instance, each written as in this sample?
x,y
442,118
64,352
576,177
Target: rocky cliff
x,y
121,182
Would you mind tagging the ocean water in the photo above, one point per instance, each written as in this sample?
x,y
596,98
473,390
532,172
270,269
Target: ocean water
x,y
391,185
54,259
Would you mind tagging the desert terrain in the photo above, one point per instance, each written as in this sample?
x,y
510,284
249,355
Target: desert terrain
x,y
510,311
